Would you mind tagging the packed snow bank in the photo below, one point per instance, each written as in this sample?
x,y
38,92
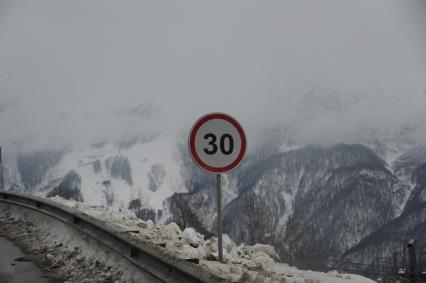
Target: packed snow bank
x,y
61,263
244,263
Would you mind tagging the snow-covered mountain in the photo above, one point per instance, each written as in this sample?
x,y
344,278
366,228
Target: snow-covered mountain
x,y
315,204
410,224
108,173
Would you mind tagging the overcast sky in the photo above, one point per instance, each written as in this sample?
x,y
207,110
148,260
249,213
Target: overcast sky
x,y
328,69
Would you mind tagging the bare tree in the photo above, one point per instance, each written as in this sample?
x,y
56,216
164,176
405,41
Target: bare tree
x,y
135,205
255,214
180,207
109,194
140,206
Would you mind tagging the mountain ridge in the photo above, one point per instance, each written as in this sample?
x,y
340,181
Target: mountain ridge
x,y
313,203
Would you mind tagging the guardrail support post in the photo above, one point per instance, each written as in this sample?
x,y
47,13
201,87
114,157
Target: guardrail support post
x,y
75,220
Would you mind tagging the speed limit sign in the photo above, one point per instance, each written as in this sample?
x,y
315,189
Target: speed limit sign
x,y
217,143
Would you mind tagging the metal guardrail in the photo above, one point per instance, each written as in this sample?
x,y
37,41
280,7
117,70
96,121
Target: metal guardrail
x,y
148,259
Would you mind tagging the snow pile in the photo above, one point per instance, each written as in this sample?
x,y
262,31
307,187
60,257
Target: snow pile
x,y
244,263
60,263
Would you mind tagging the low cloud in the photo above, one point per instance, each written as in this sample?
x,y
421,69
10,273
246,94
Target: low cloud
x,y
329,71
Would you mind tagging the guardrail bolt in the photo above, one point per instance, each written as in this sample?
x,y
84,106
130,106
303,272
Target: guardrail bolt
x,y
133,252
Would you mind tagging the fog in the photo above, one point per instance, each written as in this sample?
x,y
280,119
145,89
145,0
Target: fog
x,y
328,70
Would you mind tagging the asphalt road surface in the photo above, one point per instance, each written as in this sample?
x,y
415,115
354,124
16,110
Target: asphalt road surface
x,y
12,271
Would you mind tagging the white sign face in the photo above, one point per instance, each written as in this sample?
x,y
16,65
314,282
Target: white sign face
x,y
217,143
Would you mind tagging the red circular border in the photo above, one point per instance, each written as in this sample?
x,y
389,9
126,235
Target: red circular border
x,y
193,152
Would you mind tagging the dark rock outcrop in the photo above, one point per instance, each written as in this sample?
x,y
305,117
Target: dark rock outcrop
x,y
156,176
97,167
119,168
33,167
14,188
69,188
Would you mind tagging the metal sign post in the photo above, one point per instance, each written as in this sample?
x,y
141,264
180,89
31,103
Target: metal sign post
x,y
1,173
217,144
219,216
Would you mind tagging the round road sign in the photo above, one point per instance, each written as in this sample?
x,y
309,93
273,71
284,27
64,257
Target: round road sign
x,y
217,143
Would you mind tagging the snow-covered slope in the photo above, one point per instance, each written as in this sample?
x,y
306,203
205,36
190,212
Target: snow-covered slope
x,y
111,174
314,203
411,224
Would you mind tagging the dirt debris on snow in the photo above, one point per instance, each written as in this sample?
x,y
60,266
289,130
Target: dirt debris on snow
x,y
60,263
244,263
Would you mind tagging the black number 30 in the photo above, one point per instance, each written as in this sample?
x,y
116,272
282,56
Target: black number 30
x,y
212,142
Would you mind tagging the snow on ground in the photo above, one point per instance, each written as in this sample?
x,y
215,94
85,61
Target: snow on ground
x,y
244,263
59,262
